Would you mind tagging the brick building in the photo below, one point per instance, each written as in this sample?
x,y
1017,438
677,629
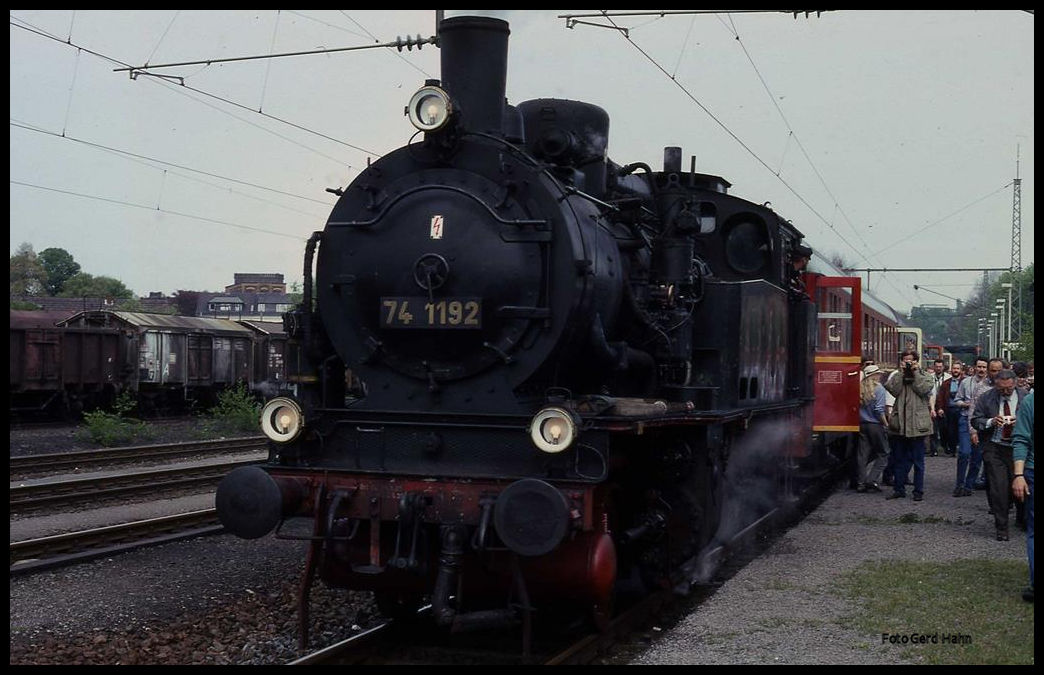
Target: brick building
x,y
256,283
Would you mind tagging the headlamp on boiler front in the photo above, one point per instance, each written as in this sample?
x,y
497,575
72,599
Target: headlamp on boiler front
x,y
430,108
553,430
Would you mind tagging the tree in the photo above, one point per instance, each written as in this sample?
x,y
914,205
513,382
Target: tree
x,y
186,302
82,285
982,303
296,295
28,276
838,261
130,305
60,266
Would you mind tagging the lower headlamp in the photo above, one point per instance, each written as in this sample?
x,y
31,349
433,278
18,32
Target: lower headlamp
x,y
553,430
282,419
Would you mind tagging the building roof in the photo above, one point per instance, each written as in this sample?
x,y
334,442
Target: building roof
x,y
22,319
248,301
72,305
163,322
266,327
67,305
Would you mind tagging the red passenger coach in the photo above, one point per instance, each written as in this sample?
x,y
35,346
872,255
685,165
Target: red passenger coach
x,y
838,352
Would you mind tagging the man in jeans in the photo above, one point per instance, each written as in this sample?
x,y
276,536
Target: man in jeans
x,y
969,455
911,421
946,408
938,421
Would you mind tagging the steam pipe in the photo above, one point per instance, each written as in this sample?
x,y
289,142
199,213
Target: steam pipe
x,y
453,540
307,298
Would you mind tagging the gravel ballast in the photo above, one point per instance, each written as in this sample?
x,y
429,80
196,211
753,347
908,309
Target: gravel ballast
x,y
784,608
209,600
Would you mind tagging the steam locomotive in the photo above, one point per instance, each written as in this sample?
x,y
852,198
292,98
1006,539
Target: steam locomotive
x,y
577,375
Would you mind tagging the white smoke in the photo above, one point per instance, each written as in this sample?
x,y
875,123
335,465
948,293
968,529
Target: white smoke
x,y
751,489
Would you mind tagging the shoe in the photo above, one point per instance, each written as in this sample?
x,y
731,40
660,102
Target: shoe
x,y
1027,594
918,497
965,492
934,454
861,488
887,481
873,487
1002,535
958,492
950,454
980,485
896,495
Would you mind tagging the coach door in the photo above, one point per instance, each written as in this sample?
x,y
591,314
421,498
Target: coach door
x,y
838,354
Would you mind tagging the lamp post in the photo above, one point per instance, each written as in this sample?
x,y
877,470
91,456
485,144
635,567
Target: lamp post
x,y
1001,334
993,334
980,334
1008,285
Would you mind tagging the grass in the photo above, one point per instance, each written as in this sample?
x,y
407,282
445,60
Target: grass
x,y
961,612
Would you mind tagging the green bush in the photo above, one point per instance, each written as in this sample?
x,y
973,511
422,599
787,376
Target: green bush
x,y
237,411
109,429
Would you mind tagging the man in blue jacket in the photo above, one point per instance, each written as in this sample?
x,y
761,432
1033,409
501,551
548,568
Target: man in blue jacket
x,y
1022,484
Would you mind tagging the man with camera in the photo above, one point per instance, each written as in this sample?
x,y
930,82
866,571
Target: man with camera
x,y
910,421
994,418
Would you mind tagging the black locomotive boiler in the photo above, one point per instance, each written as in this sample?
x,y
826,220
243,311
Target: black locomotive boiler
x,y
567,364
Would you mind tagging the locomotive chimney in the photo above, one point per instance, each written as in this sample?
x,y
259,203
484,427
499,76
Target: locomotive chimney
x,y
474,69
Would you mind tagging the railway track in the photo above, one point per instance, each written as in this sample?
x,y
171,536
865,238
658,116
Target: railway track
x,y
40,463
28,423
65,492
581,648
33,555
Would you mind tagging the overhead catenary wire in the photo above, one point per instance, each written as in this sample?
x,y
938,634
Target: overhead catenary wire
x,y
860,253
153,208
399,43
792,134
33,29
22,125
739,140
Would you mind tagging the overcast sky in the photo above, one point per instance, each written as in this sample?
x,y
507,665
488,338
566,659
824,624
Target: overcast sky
x,y
888,137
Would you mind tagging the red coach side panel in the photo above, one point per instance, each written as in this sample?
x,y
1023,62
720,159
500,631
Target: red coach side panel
x,y
838,353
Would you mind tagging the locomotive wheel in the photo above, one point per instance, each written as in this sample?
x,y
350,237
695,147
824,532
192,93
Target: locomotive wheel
x,y
398,605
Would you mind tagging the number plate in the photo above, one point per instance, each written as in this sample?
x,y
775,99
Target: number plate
x,y
420,312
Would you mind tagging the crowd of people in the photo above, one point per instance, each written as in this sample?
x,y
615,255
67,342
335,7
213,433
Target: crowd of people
x,y
981,413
